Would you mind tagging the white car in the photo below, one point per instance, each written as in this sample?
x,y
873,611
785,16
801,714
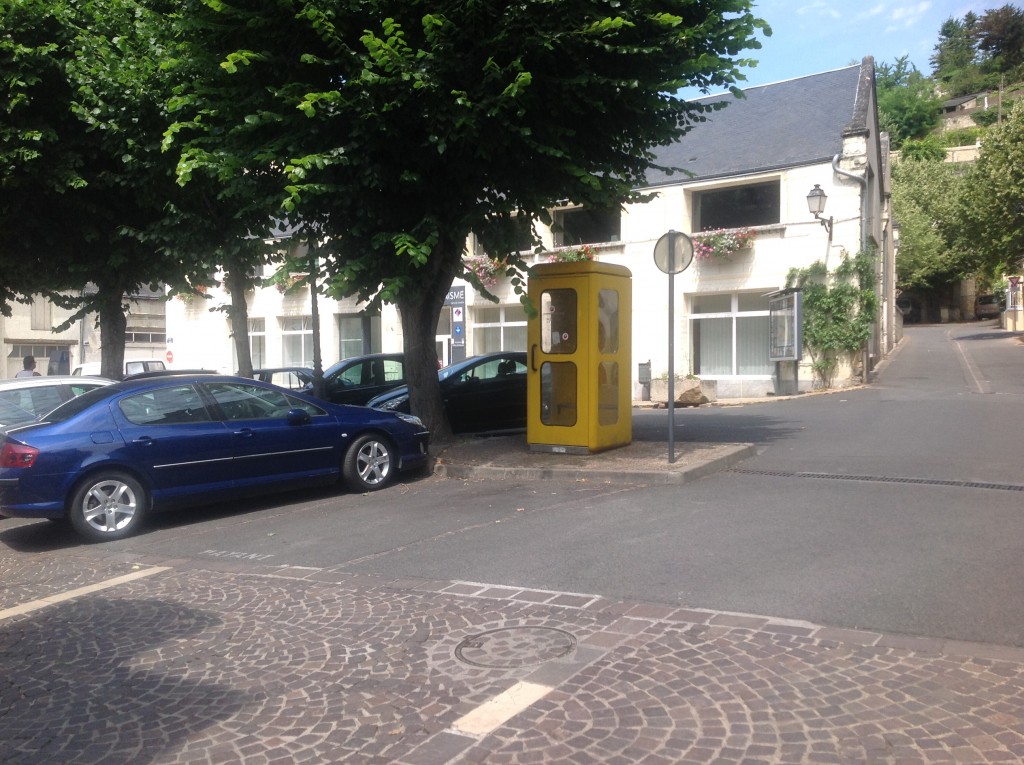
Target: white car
x,y
23,399
131,367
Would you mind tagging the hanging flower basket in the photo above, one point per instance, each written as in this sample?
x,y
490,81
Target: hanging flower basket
x,y
485,269
721,243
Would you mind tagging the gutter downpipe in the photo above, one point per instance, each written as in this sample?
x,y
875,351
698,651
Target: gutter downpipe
x,y
863,181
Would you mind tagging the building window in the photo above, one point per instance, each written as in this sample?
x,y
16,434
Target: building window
x,y
42,314
257,343
756,204
358,334
582,225
499,328
513,234
729,334
50,359
297,341
145,338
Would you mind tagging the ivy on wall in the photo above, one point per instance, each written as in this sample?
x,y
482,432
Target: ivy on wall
x,y
839,309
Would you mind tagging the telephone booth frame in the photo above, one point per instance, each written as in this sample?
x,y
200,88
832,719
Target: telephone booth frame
x,y
579,389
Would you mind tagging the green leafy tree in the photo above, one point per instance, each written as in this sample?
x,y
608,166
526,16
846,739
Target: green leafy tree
x,y
929,149
954,62
994,205
839,309
84,181
1000,39
907,105
928,202
404,126
972,53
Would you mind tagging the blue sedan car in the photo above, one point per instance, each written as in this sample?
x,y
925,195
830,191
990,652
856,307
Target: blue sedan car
x,y
106,458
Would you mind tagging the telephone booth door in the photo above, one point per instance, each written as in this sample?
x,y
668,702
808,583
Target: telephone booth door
x,y
579,397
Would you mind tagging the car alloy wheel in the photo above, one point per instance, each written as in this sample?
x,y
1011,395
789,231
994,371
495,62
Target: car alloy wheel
x,y
108,506
369,464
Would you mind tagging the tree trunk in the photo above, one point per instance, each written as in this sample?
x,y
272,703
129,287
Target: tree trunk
x,y
238,314
314,308
113,323
419,310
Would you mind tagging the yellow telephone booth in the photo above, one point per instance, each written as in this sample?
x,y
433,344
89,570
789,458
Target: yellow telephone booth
x,y
579,397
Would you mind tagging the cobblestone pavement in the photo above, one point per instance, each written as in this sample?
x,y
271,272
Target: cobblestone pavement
x,y
110,659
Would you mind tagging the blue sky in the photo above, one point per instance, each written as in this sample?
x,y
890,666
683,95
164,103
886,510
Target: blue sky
x,y
820,35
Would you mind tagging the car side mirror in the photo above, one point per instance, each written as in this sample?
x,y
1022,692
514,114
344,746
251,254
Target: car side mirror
x,y
298,417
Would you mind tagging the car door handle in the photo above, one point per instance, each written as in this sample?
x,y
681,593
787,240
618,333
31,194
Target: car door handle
x,y
143,441
244,433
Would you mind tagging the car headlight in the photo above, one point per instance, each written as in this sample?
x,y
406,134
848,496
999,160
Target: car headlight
x,y
411,419
392,404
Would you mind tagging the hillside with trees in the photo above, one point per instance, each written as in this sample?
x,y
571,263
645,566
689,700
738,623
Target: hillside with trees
x,y
959,222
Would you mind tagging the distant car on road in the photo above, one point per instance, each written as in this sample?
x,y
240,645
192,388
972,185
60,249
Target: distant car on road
x,y
906,308
292,378
987,307
131,367
481,394
23,399
105,459
357,379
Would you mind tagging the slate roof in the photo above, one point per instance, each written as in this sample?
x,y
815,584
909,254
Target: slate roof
x,y
785,124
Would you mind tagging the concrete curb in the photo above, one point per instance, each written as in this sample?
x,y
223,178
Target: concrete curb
x,y
671,474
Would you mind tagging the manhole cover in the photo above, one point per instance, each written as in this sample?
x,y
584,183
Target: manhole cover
x,y
511,647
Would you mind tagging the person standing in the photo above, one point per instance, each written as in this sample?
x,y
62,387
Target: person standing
x,y
29,369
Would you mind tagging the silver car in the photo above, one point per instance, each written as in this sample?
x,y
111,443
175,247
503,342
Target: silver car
x,y
24,399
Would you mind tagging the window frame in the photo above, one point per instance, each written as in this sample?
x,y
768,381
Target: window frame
x,y
701,221
735,315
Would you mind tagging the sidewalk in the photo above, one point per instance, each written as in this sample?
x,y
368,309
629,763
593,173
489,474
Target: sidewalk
x,y
172,662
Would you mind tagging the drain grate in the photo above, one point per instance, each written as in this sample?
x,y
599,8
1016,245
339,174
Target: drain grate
x,y
512,647
885,479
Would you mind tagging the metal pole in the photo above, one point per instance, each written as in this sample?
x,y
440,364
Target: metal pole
x,y
671,348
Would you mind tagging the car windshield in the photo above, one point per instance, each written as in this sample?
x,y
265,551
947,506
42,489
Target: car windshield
x,y
70,408
455,369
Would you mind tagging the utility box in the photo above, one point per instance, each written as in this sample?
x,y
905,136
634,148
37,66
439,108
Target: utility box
x,y
579,390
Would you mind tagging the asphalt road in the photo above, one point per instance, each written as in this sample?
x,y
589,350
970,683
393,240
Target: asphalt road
x,y
897,507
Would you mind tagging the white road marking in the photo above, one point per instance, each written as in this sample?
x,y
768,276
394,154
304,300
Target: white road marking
x,y
35,605
498,710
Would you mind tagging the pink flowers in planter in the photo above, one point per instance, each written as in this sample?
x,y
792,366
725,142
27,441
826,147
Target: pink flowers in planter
x,y
485,269
721,243
586,252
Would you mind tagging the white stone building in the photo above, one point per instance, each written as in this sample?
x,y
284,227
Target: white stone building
x,y
749,166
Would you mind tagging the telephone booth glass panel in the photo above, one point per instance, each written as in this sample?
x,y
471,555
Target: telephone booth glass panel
x,y
608,392
608,321
558,393
558,321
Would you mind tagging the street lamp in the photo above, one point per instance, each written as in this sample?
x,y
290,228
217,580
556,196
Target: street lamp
x,y
816,199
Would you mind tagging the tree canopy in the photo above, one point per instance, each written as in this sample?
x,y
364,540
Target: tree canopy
x,y
974,51
927,199
907,104
994,205
403,126
84,181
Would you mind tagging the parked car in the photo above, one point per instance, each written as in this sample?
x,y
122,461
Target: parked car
x,y
481,394
357,379
23,399
106,459
906,307
987,307
131,367
292,378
